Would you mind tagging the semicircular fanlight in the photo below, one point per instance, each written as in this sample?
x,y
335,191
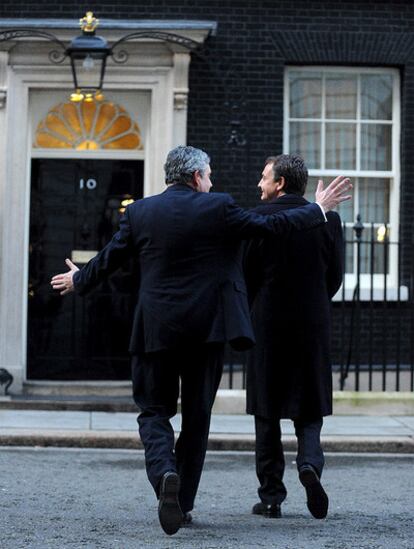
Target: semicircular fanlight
x,y
88,126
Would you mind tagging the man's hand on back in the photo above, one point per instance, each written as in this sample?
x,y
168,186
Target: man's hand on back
x,y
334,194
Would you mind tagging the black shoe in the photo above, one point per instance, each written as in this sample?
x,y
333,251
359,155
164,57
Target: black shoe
x,y
318,500
169,510
269,510
187,519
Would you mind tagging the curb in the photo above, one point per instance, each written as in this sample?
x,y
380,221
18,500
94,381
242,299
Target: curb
x,y
217,442
78,405
228,401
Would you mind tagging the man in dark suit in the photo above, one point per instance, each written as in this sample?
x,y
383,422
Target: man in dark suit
x,y
192,299
290,282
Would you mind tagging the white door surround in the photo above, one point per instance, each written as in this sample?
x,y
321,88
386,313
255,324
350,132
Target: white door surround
x,y
158,68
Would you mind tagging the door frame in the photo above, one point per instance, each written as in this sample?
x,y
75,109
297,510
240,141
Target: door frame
x,y
27,68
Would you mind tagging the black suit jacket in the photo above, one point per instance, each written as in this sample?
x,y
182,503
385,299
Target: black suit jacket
x,y
192,287
291,281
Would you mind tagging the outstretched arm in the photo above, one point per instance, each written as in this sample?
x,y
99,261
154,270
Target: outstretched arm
x,y
110,258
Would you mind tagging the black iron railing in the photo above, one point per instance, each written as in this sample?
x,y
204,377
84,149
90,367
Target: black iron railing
x,y
372,316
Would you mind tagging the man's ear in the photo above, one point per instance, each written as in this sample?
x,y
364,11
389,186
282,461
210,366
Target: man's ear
x,y
195,182
280,183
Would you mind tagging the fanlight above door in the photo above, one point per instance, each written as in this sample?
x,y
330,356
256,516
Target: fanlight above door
x,y
88,126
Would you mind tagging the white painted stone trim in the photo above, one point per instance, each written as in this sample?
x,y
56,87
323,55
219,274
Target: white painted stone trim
x,y
153,67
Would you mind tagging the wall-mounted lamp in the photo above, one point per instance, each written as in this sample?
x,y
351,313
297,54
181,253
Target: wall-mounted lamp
x,y
88,53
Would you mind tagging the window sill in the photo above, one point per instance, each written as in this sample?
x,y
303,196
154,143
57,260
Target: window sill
x,y
378,294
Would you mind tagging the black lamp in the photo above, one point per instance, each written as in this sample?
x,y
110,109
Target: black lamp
x,y
88,54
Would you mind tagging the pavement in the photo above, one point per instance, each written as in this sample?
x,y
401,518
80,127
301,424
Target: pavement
x,y
71,498
235,432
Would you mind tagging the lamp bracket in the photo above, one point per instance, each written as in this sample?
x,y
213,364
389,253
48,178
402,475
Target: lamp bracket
x,y
54,56
121,56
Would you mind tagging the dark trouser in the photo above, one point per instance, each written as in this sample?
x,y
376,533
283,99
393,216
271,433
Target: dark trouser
x,y
270,462
156,379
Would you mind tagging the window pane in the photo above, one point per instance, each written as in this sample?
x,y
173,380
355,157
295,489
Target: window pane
x,y
372,254
341,96
311,188
376,96
345,209
305,95
340,146
365,252
374,198
375,147
305,139
380,256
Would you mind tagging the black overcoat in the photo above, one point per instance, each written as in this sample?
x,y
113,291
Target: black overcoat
x,y
291,281
192,288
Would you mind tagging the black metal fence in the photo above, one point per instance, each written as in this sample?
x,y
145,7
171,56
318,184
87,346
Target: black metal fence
x,y
372,316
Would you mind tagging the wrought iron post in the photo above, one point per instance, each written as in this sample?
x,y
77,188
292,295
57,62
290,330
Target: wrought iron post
x,y
358,228
386,245
355,310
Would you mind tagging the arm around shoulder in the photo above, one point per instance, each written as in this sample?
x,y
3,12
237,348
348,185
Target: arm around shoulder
x,y
248,224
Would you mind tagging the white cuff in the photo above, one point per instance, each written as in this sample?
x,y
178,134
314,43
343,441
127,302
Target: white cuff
x,y
322,209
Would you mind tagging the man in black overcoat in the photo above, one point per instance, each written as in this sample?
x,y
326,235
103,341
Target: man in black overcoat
x,y
290,282
192,299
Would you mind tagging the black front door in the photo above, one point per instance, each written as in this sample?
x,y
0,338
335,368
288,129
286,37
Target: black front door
x,y
75,209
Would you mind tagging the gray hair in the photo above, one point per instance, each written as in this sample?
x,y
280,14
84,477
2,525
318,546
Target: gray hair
x,y
182,162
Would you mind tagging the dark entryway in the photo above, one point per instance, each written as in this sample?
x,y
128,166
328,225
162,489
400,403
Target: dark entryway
x,y
75,209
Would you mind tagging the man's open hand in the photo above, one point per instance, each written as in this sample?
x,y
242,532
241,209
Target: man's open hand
x,y
334,194
64,281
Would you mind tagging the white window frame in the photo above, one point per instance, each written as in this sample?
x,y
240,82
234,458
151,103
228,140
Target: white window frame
x,y
393,175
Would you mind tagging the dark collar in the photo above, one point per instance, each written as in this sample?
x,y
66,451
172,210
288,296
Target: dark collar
x,y
289,199
179,187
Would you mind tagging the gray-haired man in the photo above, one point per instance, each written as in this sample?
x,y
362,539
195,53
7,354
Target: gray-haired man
x,y
192,300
